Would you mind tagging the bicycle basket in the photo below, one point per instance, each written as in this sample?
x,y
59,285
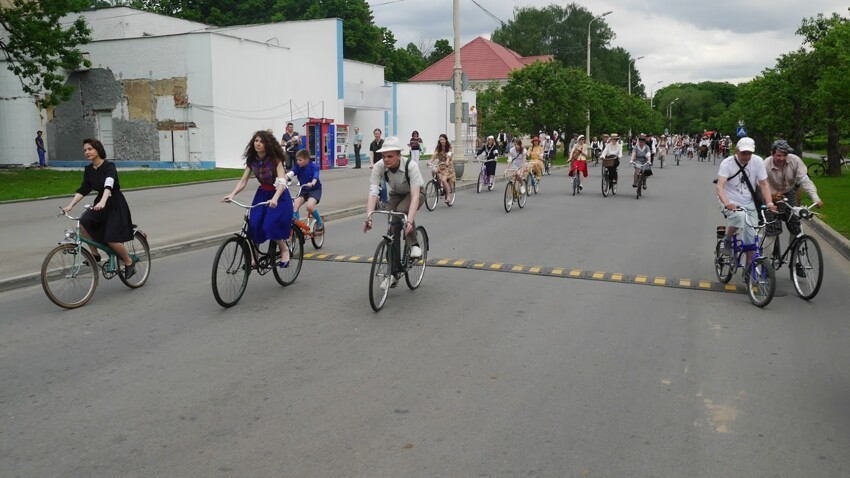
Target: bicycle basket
x,y
609,163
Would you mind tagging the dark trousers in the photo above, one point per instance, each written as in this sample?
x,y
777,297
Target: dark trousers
x,y
357,155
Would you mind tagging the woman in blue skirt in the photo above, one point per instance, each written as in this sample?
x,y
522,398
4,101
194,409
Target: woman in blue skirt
x,y
264,159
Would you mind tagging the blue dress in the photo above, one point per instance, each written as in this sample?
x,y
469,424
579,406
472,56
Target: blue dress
x,y
266,223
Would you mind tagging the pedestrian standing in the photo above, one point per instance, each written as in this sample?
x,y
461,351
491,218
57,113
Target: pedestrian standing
x,y
376,156
290,142
358,143
39,148
415,146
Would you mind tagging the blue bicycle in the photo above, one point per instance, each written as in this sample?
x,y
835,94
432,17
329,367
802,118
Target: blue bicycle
x,y
759,275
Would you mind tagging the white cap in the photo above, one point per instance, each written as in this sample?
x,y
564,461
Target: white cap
x,y
746,144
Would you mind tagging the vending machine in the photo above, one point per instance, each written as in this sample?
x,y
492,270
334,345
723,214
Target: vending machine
x,y
338,144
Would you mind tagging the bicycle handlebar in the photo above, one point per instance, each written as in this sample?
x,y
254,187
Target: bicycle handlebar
x,y
65,213
247,206
389,214
803,212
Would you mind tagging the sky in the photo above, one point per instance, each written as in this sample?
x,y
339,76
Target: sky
x,y
682,41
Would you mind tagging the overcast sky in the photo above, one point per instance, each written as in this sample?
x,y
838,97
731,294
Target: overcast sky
x,y
681,40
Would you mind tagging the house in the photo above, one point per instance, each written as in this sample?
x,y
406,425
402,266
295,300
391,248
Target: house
x,y
167,92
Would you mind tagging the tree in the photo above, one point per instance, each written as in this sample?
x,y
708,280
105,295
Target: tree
x,y
37,46
441,49
562,32
544,95
829,39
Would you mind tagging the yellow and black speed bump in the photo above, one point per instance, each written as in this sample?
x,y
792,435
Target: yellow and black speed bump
x,y
563,272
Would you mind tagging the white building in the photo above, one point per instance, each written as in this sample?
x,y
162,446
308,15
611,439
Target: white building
x,y
163,92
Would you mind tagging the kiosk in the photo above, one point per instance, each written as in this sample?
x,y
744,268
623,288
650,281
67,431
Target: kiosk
x,y
327,142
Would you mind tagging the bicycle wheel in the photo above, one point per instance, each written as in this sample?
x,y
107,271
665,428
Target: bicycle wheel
x,y
509,196
480,181
432,194
806,267
69,278
817,169
661,160
523,197
639,185
451,195
722,264
317,240
613,186
536,184
140,252
575,182
380,277
761,283
287,275
605,184
416,272
230,271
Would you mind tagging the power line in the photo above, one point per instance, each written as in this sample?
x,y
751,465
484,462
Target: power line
x,y
494,17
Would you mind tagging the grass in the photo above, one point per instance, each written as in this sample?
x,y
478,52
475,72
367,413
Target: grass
x,y
35,183
835,193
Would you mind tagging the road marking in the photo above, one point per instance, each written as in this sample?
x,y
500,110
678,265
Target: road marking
x,y
618,277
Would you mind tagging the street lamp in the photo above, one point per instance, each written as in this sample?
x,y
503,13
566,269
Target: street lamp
x,y
587,129
651,98
670,113
630,73
460,147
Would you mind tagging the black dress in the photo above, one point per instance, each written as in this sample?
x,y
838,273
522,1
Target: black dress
x,y
113,223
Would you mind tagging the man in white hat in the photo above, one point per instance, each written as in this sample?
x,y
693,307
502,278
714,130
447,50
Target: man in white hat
x,y
406,194
739,177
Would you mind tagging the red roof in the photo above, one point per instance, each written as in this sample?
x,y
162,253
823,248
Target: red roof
x,y
481,60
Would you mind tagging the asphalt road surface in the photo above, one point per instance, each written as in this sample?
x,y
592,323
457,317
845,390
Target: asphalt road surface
x,y
476,373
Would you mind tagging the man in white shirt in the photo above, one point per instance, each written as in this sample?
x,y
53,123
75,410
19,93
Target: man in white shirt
x,y
733,192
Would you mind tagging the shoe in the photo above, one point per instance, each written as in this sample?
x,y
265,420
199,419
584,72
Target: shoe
x,y
644,187
726,248
522,190
389,281
415,252
283,264
580,187
129,271
799,271
356,167
634,185
320,229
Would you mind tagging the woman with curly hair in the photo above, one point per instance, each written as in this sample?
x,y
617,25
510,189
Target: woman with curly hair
x,y
264,158
442,165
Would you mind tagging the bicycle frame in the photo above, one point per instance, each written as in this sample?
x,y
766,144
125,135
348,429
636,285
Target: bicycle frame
x,y
73,236
394,243
260,258
803,213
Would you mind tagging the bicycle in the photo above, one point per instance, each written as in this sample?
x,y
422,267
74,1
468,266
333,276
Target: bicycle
x,y
512,193
69,273
386,270
759,275
238,255
533,183
608,184
434,190
822,167
677,153
661,154
806,260
641,177
576,182
547,162
308,226
483,177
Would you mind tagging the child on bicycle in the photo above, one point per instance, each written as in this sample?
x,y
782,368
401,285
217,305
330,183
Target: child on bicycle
x,y
311,187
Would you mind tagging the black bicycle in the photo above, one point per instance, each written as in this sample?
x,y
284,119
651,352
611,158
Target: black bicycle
x,y
238,255
641,177
608,184
806,260
434,190
390,262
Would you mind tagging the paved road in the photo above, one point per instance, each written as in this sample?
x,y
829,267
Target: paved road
x,y
476,373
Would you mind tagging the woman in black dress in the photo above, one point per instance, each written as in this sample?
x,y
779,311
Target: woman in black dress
x,y
109,219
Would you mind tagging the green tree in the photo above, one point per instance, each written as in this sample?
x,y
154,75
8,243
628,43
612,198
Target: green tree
x,y
544,95
441,49
37,47
829,39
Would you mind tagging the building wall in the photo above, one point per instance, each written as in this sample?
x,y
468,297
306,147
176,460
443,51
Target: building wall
x,y
123,22
19,121
425,107
368,101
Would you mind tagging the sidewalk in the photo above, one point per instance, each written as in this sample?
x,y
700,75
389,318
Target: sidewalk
x,y
175,218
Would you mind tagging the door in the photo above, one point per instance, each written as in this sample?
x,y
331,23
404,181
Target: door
x,y
104,132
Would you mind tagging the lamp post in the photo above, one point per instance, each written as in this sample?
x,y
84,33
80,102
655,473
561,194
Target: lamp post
x,y
460,147
630,73
587,129
670,113
651,89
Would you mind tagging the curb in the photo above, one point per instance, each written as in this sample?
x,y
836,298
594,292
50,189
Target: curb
x,y
831,236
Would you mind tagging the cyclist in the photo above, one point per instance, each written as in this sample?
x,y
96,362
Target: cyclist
x,y
663,147
786,172
517,159
442,166
311,187
406,194
578,160
109,220
535,158
264,157
640,157
490,151
737,179
613,149
548,148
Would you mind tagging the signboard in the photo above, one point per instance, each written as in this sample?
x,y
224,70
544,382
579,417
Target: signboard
x,y
741,132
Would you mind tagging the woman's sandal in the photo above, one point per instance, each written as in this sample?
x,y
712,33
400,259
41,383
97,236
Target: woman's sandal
x,y
97,259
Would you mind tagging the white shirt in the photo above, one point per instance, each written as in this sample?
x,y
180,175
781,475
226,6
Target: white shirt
x,y
736,188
